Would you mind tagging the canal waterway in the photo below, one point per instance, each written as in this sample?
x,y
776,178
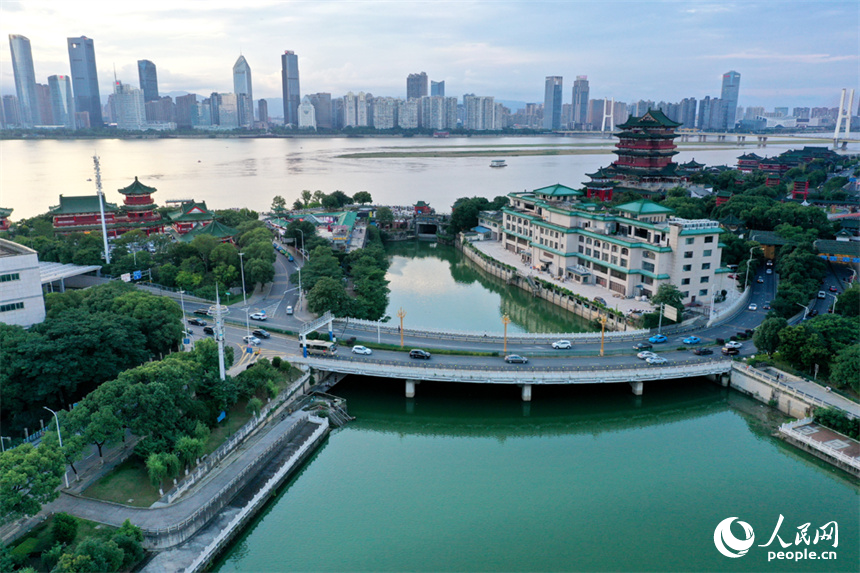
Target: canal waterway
x,y
233,172
468,478
440,289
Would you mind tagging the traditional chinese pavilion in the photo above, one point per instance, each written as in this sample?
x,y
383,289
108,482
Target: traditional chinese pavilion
x,y
645,149
217,229
189,215
81,214
748,162
4,218
800,189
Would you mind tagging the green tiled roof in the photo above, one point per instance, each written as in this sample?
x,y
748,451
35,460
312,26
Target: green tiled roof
x,y
191,211
216,229
767,238
850,248
652,118
558,190
137,188
750,157
5,212
80,204
644,207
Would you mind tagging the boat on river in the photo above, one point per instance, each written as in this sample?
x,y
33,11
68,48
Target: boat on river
x,y
498,163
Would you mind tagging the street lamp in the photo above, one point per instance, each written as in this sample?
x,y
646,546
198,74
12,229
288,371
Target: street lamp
x,y
244,298
506,320
57,420
602,332
835,298
302,253
401,314
182,306
805,310
747,275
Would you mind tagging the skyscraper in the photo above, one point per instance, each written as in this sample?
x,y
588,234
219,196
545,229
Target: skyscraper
x,y
437,88
290,87
729,95
62,102
85,81
416,85
148,80
25,80
580,100
322,109
129,107
43,96
242,87
552,103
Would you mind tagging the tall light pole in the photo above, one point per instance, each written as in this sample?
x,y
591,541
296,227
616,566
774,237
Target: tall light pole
x,y
244,298
506,320
835,298
302,253
401,314
57,420
182,306
805,310
747,275
602,332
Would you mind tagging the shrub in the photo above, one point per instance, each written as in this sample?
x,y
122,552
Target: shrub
x,y
52,556
276,361
65,528
720,341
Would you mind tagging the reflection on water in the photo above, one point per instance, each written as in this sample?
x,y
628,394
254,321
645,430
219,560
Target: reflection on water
x,y
440,289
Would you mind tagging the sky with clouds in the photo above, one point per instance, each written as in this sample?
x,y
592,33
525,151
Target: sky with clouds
x,y
789,53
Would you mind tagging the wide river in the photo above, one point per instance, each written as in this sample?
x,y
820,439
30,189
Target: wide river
x,y
250,172
468,478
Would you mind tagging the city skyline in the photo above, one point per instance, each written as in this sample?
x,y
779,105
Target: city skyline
x,y
493,49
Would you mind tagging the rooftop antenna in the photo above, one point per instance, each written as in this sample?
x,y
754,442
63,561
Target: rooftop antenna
x,y
101,205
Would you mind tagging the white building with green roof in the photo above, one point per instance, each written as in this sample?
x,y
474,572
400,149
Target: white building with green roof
x,y
630,250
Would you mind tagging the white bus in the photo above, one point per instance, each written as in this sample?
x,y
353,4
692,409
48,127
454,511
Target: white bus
x,y
320,347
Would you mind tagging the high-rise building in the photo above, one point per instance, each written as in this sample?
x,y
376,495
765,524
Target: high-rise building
x,y
163,110
148,77
290,87
242,87
85,81
307,115
480,112
43,97
552,103
416,85
11,113
688,112
407,114
186,110
25,80
580,101
729,95
437,88
129,107
263,111
322,110
349,117
384,112
62,102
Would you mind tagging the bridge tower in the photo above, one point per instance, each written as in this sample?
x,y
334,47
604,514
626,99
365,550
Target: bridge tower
x,y
843,115
610,114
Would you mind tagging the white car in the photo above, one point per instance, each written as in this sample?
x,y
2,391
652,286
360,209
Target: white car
x,y
733,344
289,310
753,306
362,350
646,354
251,340
656,360
258,316
561,344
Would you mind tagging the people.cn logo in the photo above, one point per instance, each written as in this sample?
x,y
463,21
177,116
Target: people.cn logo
x,y
727,543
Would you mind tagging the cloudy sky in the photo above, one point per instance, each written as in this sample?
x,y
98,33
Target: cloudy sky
x,y
789,53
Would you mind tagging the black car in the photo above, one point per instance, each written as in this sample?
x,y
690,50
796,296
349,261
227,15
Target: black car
x,y
643,346
417,353
702,351
202,312
516,359
730,351
209,330
261,333
813,312
196,322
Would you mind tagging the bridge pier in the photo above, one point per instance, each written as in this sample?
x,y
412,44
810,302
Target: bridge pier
x,y
526,392
637,388
410,388
725,379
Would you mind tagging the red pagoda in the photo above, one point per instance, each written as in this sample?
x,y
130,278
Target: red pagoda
x,y
645,149
140,209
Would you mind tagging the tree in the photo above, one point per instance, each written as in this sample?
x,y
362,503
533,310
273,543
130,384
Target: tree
x,y
802,347
73,444
846,368
278,204
669,295
362,197
129,538
385,217
848,303
157,470
28,478
103,555
259,271
254,406
328,294
322,263
189,450
306,198
64,528
342,198
766,336
204,245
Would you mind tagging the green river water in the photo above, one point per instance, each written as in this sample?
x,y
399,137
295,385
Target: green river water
x,y
588,478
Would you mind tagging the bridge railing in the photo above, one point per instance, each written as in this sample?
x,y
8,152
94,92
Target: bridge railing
x,y
528,338
520,373
790,429
783,387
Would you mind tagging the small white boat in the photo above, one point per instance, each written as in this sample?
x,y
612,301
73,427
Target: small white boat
x,y
498,163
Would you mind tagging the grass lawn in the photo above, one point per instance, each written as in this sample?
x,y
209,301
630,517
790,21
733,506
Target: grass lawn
x,y
128,484
237,417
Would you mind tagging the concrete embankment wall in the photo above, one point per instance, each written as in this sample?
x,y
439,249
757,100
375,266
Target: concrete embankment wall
x,y
577,307
765,388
